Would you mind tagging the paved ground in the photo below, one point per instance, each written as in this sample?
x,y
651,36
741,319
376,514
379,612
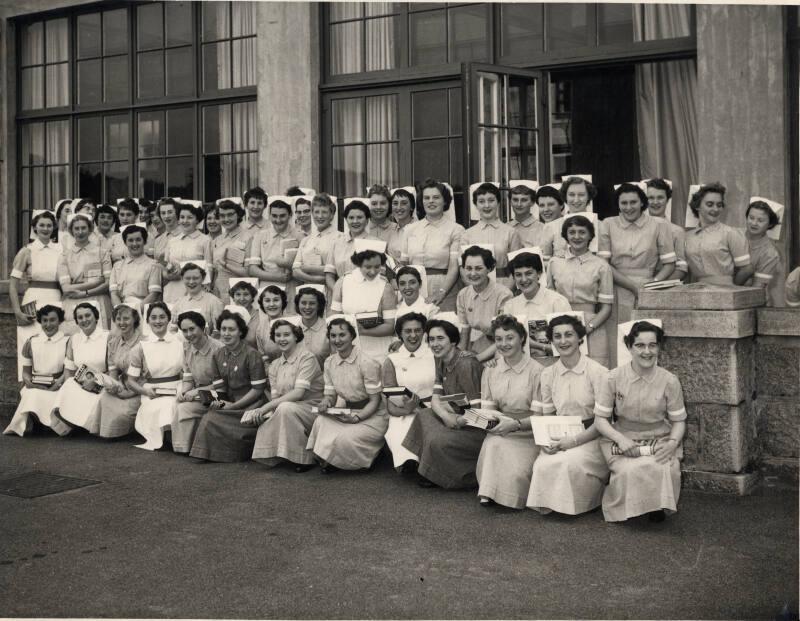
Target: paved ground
x,y
165,537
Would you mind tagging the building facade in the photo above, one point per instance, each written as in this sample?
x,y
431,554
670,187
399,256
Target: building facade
x,y
203,100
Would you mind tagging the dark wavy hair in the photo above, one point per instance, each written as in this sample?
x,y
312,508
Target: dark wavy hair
x,y
577,220
509,323
591,189
627,188
709,188
237,319
162,305
47,309
230,205
358,258
408,269
134,228
276,290
443,190
476,251
341,321
318,295
660,184
566,320
137,318
296,330
193,316
381,190
402,193
762,206
193,266
526,259
404,319
91,307
640,327
257,193
485,188
449,329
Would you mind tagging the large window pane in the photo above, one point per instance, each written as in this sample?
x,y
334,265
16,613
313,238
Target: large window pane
x,y
348,124
245,126
428,38
179,23
348,171
38,197
456,163
180,131
32,88
469,33
383,49
33,144
244,62
151,134
90,178
32,44
57,40
89,35
180,77
455,111
217,129
149,26
115,32
151,74
381,118
243,19
521,29
25,188
522,155
216,66
57,180
216,20
151,179
116,181
373,9
346,54
180,177
430,159
521,102
58,142
116,137
116,79
567,26
614,23
89,74
382,162
429,112
57,85
90,143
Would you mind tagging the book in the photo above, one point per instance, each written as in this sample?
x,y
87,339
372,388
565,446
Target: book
x,y
290,253
235,255
29,309
369,320
315,410
662,284
165,391
397,391
206,396
549,429
646,447
481,418
89,379
289,244
43,380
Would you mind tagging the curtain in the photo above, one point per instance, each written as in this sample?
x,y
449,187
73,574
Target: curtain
x,y
665,105
348,159
382,158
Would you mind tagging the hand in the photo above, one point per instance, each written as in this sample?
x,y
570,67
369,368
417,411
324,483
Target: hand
x,y
491,363
28,383
628,447
322,408
396,345
73,294
220,404
22,319
113,388
55,386
451,421
564,444
436,298
251,418
150,392
665,450
191,395
504,426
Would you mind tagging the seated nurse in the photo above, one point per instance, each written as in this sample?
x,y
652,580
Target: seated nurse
x,y
643,446
512,387
570,476
717,254
766,260
43,356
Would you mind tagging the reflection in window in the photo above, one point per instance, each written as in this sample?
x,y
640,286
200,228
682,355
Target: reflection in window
x,y
103,152
166,145
454,34
44,66
164,49
229,45
230,149
521,29
614,24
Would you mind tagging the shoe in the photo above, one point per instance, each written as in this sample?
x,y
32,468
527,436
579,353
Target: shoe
x,y
409,467
657,516
328,469
486,502
423,482
300,468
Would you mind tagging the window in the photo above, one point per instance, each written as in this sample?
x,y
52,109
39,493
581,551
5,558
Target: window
x,y
44,66
102,49
364,36
448,35
229,45
436,143
164,50
143,118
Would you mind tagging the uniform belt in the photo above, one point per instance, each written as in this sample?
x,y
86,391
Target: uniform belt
x,y
357,405
163,380
43,284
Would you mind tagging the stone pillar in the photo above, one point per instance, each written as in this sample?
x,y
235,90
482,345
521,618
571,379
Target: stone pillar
x,y
711,348
741,99
778,390
9,387
288,101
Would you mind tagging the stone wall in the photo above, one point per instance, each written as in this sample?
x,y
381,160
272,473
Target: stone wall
x,y
9,394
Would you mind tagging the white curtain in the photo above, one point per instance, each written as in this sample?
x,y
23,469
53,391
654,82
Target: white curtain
x,y
665,105
382,159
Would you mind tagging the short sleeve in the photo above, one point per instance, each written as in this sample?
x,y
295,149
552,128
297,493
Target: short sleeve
x,y
604,242
766,269
605,289
604,400
329,260
792,288
740,251
455,240
676,411
26,355
21,264
488,400
461,310
186,372
371,374
389,373
666,247
272,374
502,299
219,380
438,382
254,256
544,404
258,378
336,297
136,362
307,371
330,389
154,279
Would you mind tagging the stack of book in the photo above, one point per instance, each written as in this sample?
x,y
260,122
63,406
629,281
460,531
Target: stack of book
x,y
661,284
646,447
315,410
368,320
480,418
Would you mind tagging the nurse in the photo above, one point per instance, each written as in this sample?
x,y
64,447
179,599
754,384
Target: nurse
x,y
435,243
578,193
167,212
43,356
118,402
197,374
255,201
648,403
310,305
303,222
409,283
272,303
309,263
659,193
349,440
448,449
136,279
37,263
491,230
365,291
154,372
512,387
338,261
529,230
243,294
569,477
480,302
717,254
78,404
551,204
195,297
296,386
403,207
83,271
381,226
188,244
587,282
764,257
239,374
106,225
413,367
230,249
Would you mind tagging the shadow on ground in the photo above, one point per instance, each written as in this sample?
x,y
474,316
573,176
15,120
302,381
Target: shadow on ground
x,y
163,536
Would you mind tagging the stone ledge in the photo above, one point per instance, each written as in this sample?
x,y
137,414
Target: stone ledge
x,y
778,321
785,470
700,296
720,438
719,324
736,484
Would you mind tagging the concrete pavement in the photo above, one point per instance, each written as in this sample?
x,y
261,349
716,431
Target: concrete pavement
x,y
163,536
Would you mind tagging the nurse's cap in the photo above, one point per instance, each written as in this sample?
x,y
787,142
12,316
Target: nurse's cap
x,y
198,262
55,303
692,221
234,199
138,225
60,202
74,203
584,176
253,282
91,302
377,245
529,250
129,198
193,203
623,328
449,317
640,184
132,305
283,201
72,216
351,319
354,199
408,188
307,191
306,198
261,291
556,186
528,183
315,286
239,310
777,209
295,320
